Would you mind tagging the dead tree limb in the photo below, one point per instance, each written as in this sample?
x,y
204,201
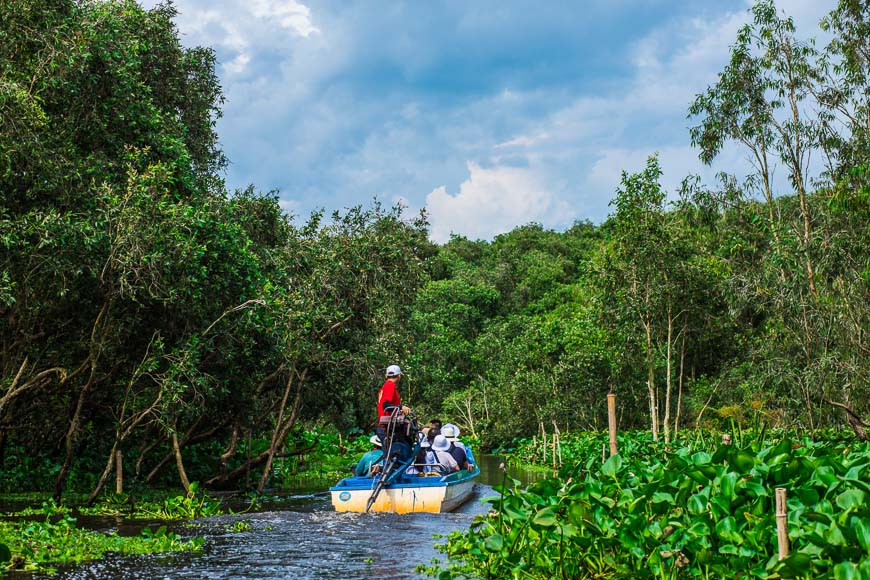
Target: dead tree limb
x,y
856,422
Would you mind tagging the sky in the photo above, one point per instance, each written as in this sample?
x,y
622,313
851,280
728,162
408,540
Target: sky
x,y
488,114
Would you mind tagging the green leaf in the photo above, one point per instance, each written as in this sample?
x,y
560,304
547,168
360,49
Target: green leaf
x,y
697,504
612,466
846,571
727,484
727,530
742,462
851,499
5,553
660,496
545,518
834,536
515,513
862,530
494,543
797,563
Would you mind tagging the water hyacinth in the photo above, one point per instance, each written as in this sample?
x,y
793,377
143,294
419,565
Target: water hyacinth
x,y
678,514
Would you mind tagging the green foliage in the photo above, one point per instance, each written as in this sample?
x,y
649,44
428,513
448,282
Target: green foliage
x,y
145,309
191,505
35,545
331,458
694,512
240,526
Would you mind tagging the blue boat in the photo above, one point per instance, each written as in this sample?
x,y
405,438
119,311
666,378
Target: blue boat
x,y
402,493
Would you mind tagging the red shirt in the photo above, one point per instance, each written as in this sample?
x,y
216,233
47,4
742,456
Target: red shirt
x,y
388,394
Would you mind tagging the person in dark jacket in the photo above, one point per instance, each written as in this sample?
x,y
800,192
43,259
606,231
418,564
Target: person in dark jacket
x,y
458,453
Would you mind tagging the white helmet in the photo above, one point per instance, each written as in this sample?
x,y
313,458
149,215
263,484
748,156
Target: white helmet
x,y
394,371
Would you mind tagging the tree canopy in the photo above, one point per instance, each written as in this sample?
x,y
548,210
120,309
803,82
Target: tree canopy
x,y
145,308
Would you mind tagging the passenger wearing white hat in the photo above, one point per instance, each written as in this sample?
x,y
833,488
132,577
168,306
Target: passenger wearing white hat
x,y
441,450
369,459
457,449
451,431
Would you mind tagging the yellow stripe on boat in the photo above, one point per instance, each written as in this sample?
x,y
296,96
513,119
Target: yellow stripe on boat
x,y
409,494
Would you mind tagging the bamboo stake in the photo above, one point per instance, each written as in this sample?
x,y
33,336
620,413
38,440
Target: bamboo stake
x,y
557,445
553,441
781,522
611,422
544,442
119,472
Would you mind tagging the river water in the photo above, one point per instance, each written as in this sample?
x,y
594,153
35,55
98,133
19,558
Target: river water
x,y
300,536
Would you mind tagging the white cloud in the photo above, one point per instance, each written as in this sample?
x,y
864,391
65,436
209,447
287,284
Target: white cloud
x,y
492,201
289,14
342,102
601,135
676,162
238,64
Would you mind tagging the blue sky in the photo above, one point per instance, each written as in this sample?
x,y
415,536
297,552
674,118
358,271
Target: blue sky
x,y
489,114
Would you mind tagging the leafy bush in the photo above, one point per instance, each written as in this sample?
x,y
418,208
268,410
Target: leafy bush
x,y
679,514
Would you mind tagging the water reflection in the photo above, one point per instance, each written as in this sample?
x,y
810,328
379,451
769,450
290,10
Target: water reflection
x,y
302,537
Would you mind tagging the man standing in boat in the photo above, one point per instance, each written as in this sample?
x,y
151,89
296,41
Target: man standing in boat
x,y
388,397
393,427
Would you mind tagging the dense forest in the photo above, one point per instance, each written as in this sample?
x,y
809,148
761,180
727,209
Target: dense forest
x,y
145,308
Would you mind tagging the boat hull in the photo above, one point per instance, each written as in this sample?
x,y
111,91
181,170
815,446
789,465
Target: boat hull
x,y
410,494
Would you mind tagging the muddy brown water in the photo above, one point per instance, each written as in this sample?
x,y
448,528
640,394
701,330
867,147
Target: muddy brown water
x,y
301,536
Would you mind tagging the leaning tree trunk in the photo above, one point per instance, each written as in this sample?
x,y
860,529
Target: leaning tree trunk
x,y
230,450
855,421
187,439
282,427
71,440
72,432
180,463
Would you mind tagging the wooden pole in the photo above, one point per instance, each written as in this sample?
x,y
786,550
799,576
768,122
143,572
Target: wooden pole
x,y
611,422
558,444
781,522
544,443
119,472
553,441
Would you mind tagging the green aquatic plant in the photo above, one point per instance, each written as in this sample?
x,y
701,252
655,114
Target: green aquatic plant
x,y
240,526
678,514
188,506
41,545
49,508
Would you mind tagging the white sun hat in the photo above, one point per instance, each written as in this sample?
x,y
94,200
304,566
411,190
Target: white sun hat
x,y
394,371
441,443
376,440
450,431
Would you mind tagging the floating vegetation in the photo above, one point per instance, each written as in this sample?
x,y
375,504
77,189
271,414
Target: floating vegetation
x,y
40,546
687,513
